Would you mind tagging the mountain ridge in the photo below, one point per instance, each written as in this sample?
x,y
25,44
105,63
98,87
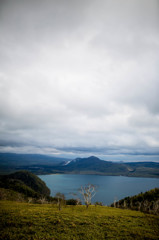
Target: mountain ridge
x,y
94,165
88,165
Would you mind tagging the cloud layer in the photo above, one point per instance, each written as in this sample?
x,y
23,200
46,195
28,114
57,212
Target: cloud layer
x,y
80,77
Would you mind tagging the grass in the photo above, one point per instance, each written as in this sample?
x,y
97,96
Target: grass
x,y
37,222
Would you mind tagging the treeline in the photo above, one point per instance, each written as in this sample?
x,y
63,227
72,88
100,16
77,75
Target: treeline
x,y
24,182
147,202
24,186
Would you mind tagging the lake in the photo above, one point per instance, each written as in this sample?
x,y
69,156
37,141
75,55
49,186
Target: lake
x,y
110,188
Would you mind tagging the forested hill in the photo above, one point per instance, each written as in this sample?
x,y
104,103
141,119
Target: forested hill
x,y
26,183
145,202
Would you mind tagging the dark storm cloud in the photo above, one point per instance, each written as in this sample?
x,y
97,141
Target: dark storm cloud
x,y
79,77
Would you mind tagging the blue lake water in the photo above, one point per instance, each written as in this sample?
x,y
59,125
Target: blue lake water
x,y
110,188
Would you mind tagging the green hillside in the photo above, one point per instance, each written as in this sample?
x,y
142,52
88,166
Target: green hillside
x,y
146,202
44,221
21,220
26,183
8,194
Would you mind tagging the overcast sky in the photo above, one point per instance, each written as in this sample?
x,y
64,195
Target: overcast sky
x,y
80,78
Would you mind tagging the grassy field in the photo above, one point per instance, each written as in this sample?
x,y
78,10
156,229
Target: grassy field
x,y
35,221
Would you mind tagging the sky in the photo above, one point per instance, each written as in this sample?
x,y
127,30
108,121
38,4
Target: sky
x,y
80,78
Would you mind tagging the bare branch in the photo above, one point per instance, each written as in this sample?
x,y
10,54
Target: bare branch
x,y
88,192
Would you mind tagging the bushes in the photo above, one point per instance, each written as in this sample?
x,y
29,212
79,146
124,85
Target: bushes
x,y
72,202
7,194
147,202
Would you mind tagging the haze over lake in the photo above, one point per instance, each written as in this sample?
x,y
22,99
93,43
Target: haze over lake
x,y
110,188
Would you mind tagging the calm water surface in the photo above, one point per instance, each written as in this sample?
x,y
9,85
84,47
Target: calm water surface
x,y
110,188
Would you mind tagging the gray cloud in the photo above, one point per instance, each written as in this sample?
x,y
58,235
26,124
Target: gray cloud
x,y
80,77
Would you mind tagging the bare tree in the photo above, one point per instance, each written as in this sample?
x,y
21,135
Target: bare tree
x,y
146,205
115,202
42,200
60,200
88,192
30,199
125,204
156,207
139,205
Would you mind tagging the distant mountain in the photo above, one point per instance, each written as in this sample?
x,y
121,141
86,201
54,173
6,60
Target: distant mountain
x,y
41,164
145,169
93,165
10,162
26,183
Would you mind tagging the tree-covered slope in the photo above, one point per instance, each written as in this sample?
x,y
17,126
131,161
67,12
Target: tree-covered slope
x,y
11,195
145,202
24,182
